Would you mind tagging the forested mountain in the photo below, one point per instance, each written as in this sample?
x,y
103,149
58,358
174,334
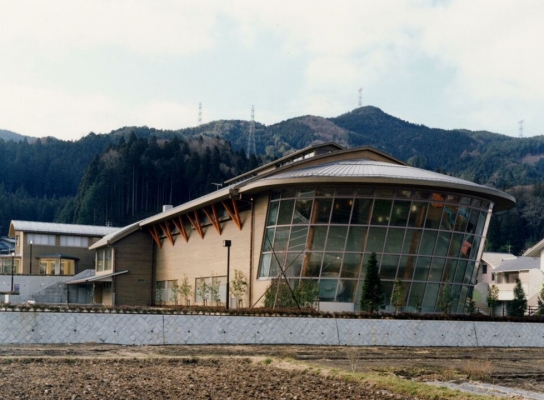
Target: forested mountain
x,y
136,177
9,135
131,172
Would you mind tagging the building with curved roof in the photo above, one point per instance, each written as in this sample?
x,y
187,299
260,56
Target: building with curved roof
x,y
313,218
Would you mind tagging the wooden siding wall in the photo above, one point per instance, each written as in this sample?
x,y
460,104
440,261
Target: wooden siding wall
x,y
207,257
134,253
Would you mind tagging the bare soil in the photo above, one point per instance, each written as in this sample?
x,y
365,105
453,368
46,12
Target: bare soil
x,y
241,372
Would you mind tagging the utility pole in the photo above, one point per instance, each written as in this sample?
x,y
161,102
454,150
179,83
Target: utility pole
x,y
360,97
521,128
199,113
251,137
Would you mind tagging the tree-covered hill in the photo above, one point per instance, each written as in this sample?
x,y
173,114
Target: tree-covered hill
x,y
129,173
9,135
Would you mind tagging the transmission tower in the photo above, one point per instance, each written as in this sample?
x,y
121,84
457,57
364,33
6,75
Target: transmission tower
x,y
251,136
360,97
521,128
199,113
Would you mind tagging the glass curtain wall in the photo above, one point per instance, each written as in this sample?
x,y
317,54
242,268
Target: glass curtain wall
x,y
326,235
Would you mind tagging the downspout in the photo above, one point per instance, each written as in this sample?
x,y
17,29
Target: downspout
x,y
113,290
251,242
153,272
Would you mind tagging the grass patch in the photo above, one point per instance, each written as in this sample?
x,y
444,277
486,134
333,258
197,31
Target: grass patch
x,y
478,369
387,381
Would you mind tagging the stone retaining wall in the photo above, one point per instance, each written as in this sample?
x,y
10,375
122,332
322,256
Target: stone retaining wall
x,y
144,329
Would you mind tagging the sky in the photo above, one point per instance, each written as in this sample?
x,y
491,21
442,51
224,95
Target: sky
x,y
68,68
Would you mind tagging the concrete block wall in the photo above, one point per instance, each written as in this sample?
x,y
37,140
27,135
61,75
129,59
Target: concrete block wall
x,y
144,329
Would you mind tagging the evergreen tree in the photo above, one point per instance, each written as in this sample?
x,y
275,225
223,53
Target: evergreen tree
x,y
540,310
518,306
492,298
372,294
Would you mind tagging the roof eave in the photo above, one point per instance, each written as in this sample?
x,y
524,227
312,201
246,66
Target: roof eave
x,y
503,201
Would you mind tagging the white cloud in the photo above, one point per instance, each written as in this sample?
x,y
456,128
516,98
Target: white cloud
x,y
143,27
481,61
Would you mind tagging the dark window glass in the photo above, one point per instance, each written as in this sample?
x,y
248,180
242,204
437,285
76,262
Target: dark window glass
x,y
288,193
428,241
481,223
324,192
417,290
394,241
364,191
361,211
460,272
312,265
448,217
351,264
411,241
375,240
345,191
421,195
293,264
437,268
385,192
449,270
317,237
280,239
264,270
431,295
341,211
452,198
387,288
268,239
417,215
473,221
322,210
476,203
305,193
422,268
462,299
273,213
297,241
463,215
388,267
275,194
406,267
346,291
286,212
356,238
442,244
303,211
468,273
381,212
337,238
401,210
455,245
434,216
331,265
404,194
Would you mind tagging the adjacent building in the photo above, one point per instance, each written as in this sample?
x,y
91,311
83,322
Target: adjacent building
x,y
503,269
314,216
